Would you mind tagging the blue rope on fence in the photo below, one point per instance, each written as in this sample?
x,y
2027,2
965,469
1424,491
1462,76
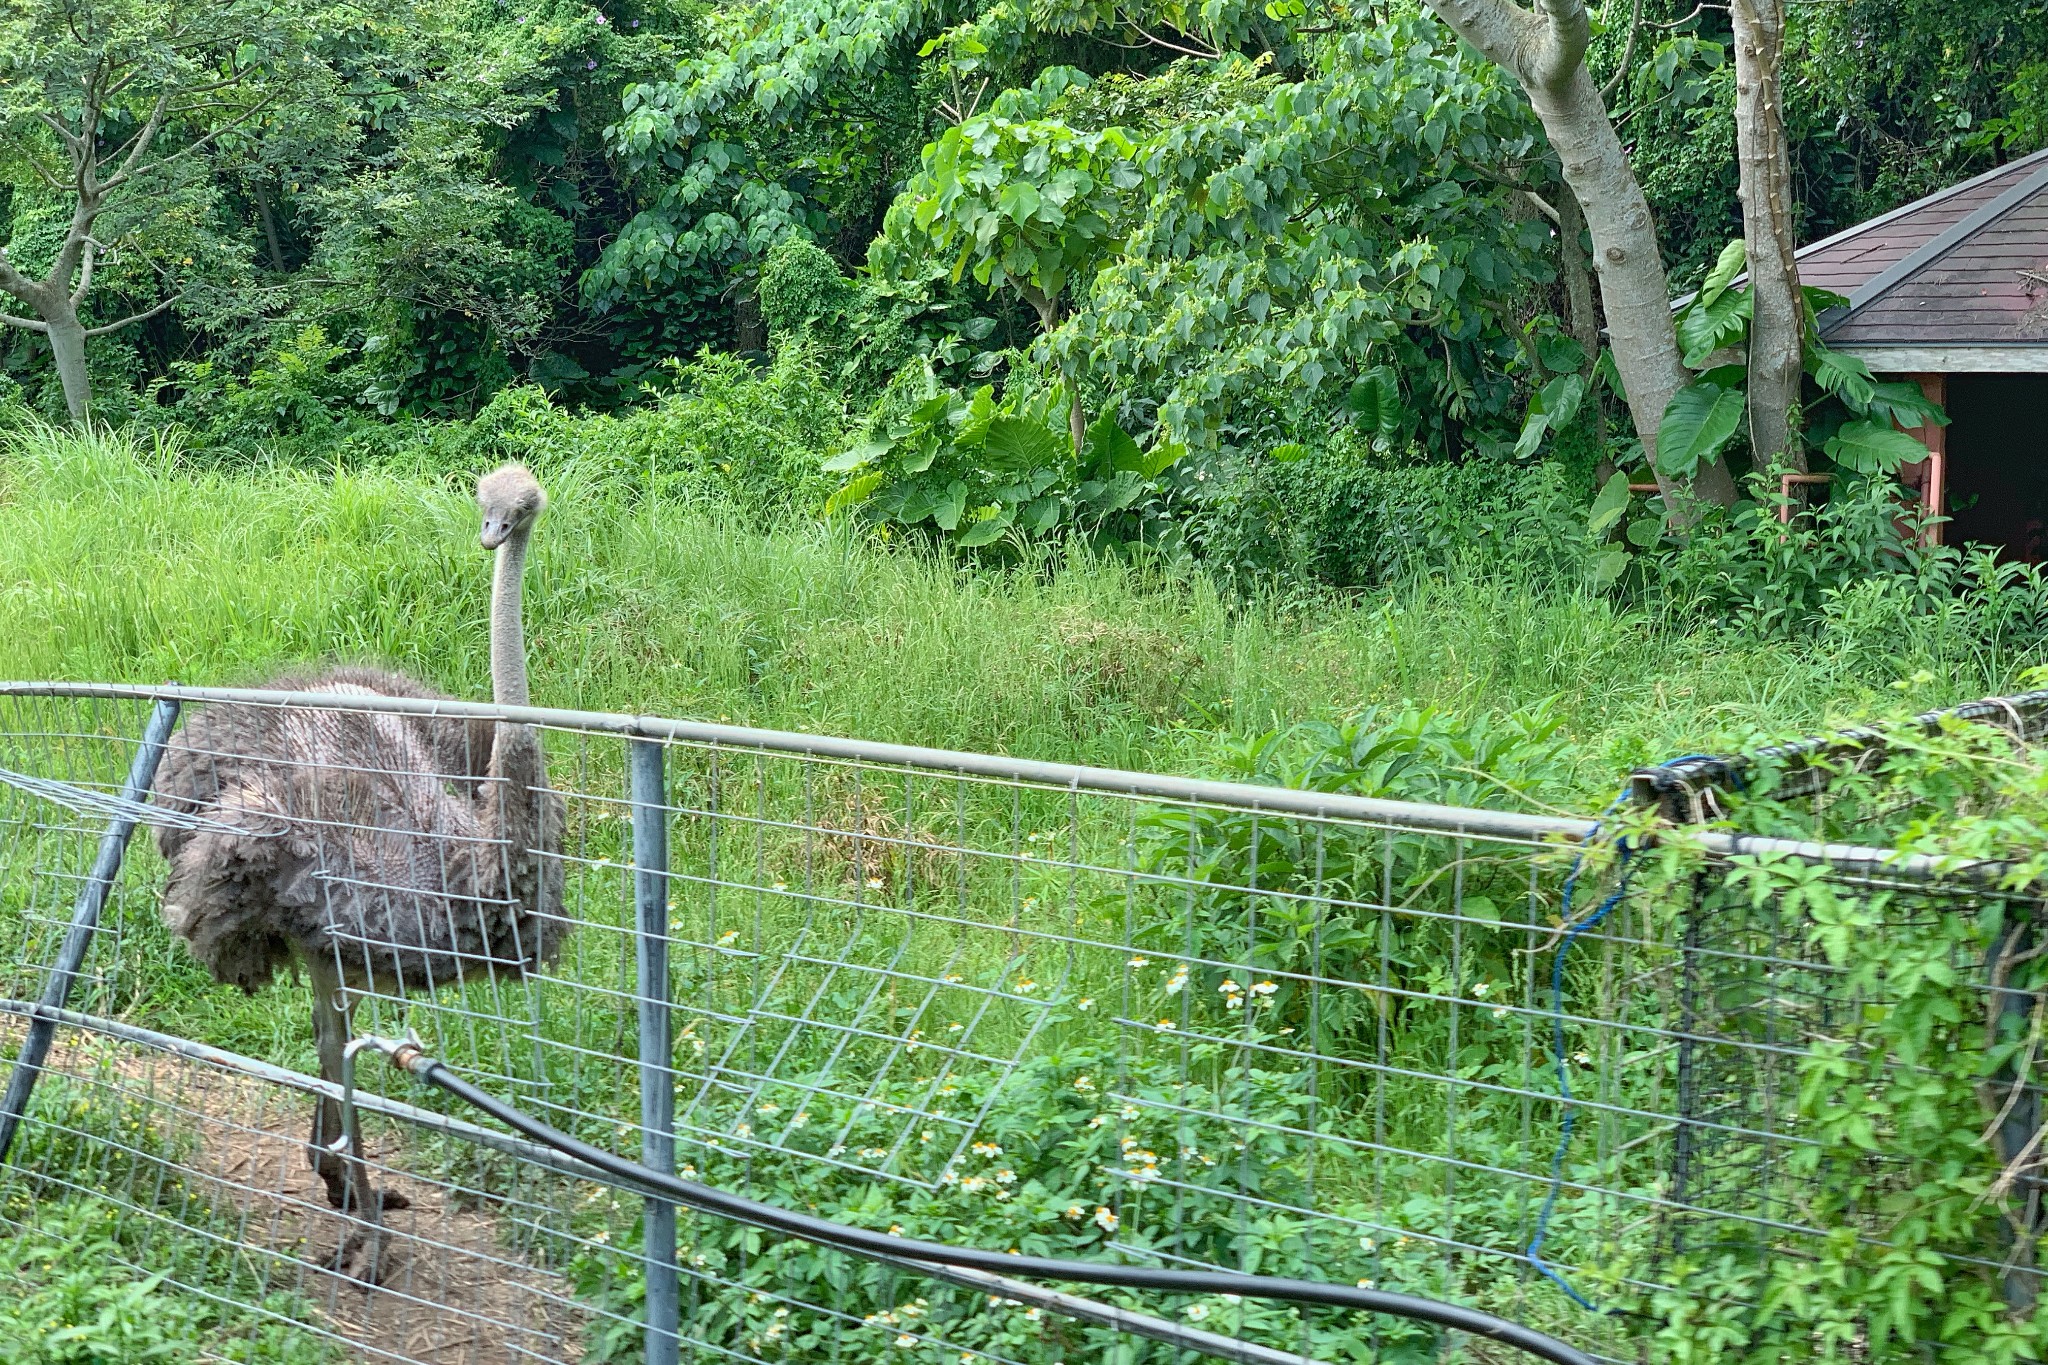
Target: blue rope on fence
x,y
1626,872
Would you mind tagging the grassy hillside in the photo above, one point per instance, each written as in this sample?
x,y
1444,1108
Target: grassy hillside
x,y
128,561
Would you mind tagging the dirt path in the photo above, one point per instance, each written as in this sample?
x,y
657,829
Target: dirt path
x,y
454,1287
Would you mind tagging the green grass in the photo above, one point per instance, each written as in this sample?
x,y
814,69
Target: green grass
x,y
123,561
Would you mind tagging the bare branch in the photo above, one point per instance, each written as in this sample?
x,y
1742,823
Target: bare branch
x,y
1628,53
143,316
84,272
207,139
75,238
25,324
35,293
63,131
138,144
975,103
1206,53
1543,206
35,163
1568,31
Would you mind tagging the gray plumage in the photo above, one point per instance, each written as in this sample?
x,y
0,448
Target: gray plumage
x,y
398,847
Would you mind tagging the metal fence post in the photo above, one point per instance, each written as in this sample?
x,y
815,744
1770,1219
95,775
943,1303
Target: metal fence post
x,y
85,920
657,1075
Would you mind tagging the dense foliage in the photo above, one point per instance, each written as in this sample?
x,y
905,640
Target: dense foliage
x,y
1216,387
1250,237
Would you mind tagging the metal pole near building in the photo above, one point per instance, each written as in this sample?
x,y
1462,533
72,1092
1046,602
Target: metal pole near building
x,y
85,921
657,1074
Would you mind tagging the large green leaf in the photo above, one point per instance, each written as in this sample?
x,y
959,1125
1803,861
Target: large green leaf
x,y
853,493
1726,267
1904,402
1375,401
1161,457
1845,376
1550,407
867,452
1110,448
1697,423
985,530
948,507
1868,448
1608,567
1017,443
1704,328
1610,505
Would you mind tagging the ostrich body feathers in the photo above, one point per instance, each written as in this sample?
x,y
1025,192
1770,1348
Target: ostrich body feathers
x,y
385,843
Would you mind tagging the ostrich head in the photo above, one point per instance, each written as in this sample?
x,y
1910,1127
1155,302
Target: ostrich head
x,y
510,498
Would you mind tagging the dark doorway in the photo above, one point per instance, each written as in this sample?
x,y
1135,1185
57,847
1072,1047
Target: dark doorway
x,y
1998,462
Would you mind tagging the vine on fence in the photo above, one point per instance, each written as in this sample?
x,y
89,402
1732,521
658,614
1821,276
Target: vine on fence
x,y
1905,1092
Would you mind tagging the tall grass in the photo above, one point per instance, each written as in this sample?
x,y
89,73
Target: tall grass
x,y
122,559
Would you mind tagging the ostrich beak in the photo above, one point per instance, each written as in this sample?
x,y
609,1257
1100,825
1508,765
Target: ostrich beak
x,y
497,527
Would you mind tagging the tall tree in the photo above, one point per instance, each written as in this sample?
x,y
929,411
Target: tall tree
x,y
103,102
1777,313
1545,49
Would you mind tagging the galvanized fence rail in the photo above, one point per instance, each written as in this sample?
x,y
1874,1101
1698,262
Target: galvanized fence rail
x,y
965,998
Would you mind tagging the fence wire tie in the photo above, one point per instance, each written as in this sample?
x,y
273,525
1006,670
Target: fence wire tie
x,y
1626,874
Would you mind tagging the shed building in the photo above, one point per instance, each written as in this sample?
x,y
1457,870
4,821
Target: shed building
x,y
1952,291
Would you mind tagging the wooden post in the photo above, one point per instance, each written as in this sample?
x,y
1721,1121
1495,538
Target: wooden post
x,y
1933,470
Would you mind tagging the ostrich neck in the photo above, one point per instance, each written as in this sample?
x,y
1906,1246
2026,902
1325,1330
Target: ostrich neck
x,y
510,813
508,631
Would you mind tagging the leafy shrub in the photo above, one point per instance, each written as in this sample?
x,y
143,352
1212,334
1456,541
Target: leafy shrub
x,y
1891,1096
75,1300
1059,1168
718,431
1344,515
74,1294
1300,867
980,471
866,333
300,392
1743,566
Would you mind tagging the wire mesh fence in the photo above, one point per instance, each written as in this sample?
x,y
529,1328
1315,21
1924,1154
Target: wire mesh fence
x,y
957,997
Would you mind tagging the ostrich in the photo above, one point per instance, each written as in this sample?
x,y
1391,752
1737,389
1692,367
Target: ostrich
x,y
377,850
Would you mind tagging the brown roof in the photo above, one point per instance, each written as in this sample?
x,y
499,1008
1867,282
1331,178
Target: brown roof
x,y
1965,267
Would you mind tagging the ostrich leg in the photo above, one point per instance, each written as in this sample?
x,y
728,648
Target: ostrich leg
x,y
347,1181
346,1184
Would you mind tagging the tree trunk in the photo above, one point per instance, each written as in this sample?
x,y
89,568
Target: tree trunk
x,y
1634,291
67,347
1777,320
1048,309
1584,317
1546,52
269,221
750,330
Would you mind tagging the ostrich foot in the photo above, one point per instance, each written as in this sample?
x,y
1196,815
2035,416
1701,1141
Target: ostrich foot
x,y
346,1194
362,1256
364,1199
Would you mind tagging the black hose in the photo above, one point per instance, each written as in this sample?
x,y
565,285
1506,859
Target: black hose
x,y
861,1240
